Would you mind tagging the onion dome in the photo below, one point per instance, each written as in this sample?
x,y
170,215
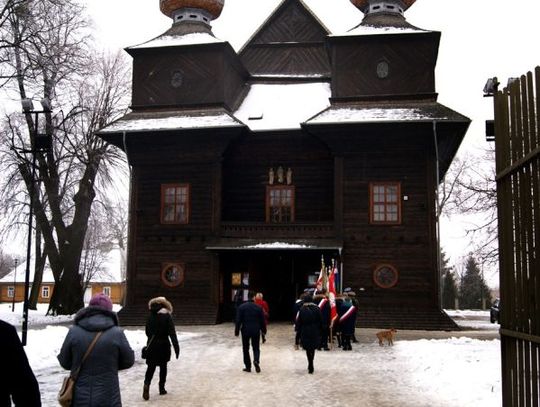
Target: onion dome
x,y
176,9
383,6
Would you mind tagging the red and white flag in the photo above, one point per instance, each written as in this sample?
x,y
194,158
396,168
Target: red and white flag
x,y
332,294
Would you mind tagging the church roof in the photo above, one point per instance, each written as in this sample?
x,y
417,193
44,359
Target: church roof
x,y
336,16
171,120
278,106
387,112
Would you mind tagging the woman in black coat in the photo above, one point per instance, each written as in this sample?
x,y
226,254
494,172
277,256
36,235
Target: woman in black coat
x,y
159,328
309,326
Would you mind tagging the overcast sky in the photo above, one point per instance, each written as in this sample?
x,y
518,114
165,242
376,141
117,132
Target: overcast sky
x,y
480,39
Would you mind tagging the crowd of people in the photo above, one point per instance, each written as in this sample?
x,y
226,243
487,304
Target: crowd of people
x,y
96,348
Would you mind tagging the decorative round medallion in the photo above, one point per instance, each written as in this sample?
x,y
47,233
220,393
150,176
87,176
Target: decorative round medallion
x,y
385,276
172,274
382,69
214,7
177,78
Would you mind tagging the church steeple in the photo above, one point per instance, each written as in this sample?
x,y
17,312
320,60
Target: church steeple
x,y
384,12
383,6
196,12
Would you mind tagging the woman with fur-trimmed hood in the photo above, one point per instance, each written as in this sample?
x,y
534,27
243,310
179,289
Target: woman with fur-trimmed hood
x,y
159,328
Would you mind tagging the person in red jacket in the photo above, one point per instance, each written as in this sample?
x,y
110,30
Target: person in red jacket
x,y
266,311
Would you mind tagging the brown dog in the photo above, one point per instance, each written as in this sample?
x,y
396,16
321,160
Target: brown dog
x,y
388,335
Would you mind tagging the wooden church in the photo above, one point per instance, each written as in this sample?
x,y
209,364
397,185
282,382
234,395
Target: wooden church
x,y
249,165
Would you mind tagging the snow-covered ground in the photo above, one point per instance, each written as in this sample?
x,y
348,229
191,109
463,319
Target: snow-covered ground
x,y
435,369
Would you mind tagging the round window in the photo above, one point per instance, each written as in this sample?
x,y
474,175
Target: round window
x,y
385,276
172,274
383,69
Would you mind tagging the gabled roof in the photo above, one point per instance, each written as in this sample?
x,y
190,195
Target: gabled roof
x,y
284,3
335,16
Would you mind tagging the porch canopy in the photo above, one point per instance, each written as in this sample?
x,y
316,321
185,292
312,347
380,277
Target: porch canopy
x,y
275,244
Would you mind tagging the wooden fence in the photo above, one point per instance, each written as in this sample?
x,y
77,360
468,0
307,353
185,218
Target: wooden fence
x,y
517,144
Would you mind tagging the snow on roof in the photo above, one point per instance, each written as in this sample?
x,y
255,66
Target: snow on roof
x,y
110,271
277,245
146,121
177,40
282,106
349,114
373,30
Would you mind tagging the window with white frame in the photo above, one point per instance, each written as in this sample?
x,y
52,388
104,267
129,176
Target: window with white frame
x,y
45,291
107,291
11,291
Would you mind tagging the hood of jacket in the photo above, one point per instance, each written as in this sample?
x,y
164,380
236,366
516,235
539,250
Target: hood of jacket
x,y
159,303
95,319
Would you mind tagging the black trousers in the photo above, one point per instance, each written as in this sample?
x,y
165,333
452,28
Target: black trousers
x,y
150,373
254,339
310,353
325,332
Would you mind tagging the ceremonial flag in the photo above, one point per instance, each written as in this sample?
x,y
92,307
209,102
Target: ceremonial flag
x,y
332,293
321,280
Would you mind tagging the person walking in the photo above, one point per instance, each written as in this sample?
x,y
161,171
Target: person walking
x,y
19,384
347,322
322,301
250,321
97,383
309,325
266,311
159,329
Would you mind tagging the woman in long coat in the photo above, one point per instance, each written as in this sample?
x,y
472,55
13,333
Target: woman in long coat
x,y
97,384
309,326
159,328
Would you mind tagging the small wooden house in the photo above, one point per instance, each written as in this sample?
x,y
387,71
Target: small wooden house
x,y
107,280
250,164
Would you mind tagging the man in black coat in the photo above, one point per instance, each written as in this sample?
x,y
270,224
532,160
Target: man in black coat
x,y
20,384
323,303
250,321
309,325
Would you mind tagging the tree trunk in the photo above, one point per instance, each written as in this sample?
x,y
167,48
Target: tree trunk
x,y
39,266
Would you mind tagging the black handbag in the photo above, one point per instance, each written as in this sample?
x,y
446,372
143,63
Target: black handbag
x,y
144,350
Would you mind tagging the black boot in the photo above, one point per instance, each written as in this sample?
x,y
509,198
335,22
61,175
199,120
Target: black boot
x,y
162,389
146,391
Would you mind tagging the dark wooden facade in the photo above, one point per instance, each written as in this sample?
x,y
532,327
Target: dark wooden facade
x,y
333,162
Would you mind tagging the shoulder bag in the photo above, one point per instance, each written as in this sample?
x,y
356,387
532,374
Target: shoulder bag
x,y
144,350
65,395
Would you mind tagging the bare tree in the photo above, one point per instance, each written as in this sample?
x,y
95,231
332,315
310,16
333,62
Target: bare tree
x,y
52,58
473,192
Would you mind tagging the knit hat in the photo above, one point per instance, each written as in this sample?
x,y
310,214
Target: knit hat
x,y
101,300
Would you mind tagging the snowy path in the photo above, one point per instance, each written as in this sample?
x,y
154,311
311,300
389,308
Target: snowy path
x,y
422,372
423,369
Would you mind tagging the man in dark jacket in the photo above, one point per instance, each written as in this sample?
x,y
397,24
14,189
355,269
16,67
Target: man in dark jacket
x,y
309,325
19,384
323,303
250,321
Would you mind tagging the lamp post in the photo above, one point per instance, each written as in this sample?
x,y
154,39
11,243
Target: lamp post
x,y
14,285
39,143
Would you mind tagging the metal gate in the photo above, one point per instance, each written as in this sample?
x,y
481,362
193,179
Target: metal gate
x,y
517,144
